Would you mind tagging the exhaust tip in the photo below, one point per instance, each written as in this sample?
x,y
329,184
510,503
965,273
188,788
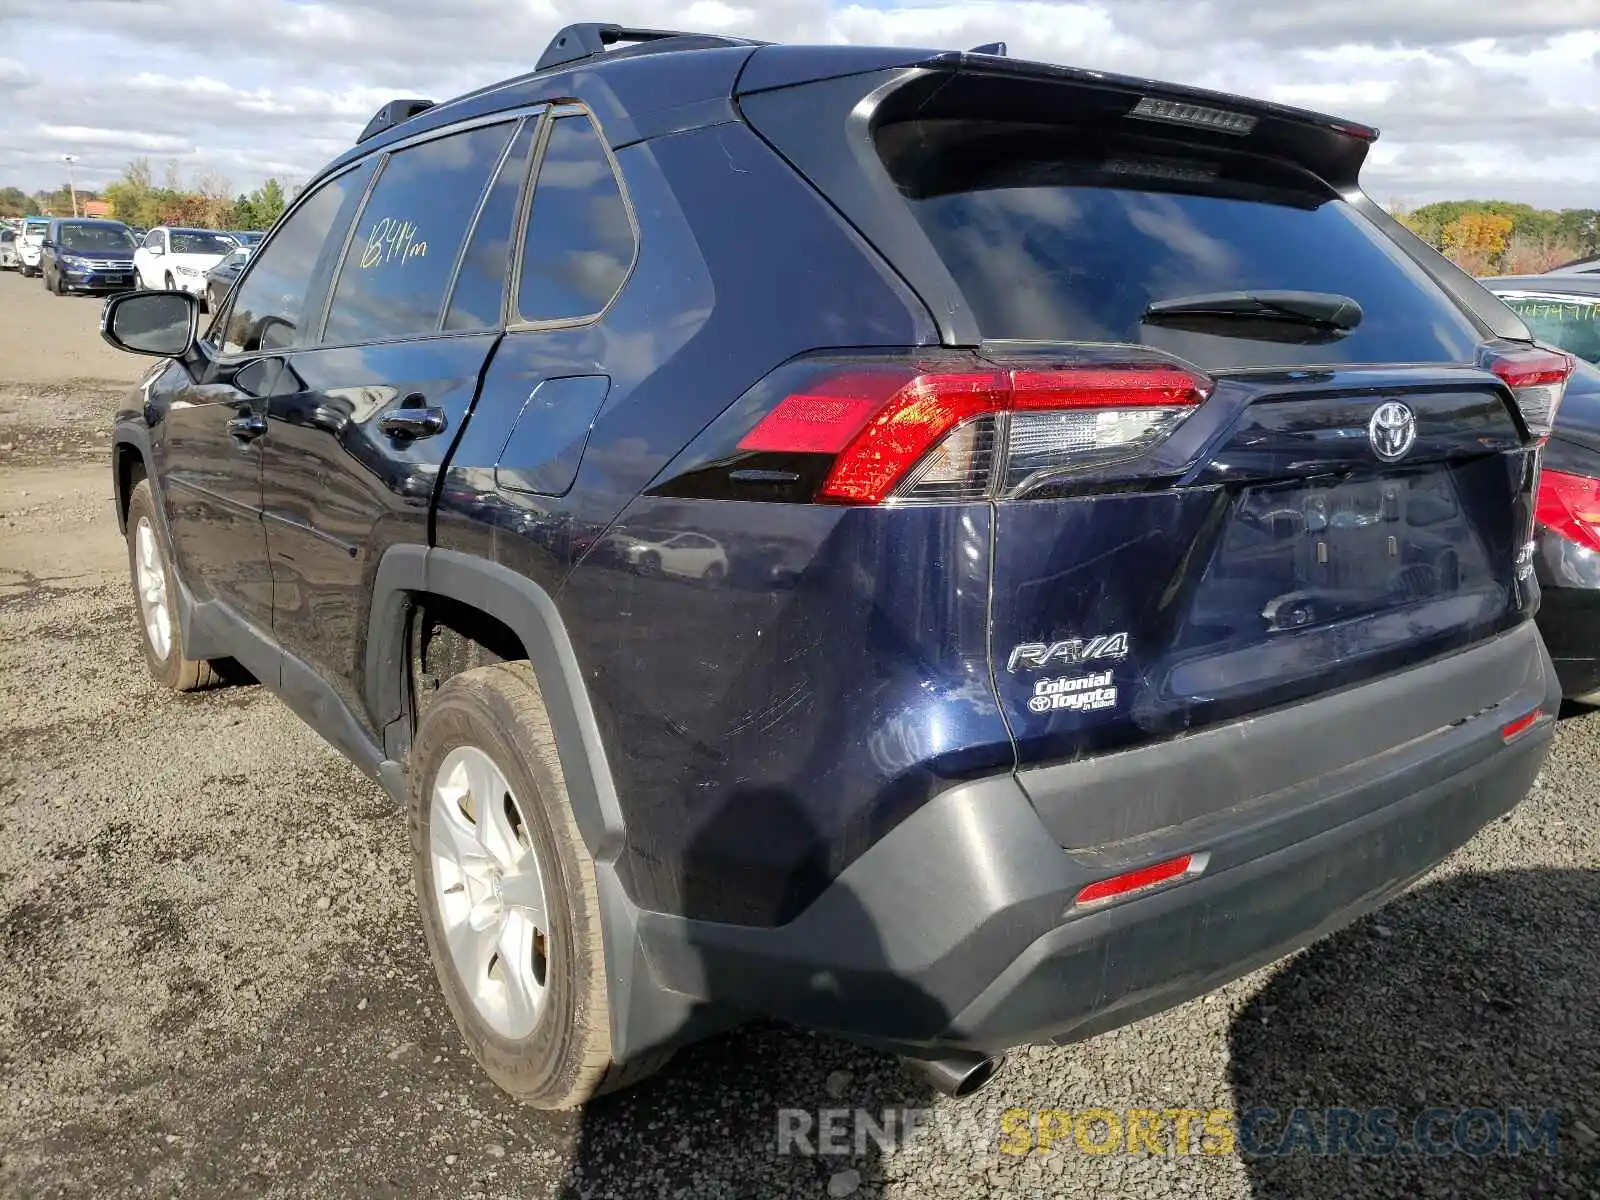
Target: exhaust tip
x,y
957,1075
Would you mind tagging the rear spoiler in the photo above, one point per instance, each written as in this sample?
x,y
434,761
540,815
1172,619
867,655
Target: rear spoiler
x,y
971,83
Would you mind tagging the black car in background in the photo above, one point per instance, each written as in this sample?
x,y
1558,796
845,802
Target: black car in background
x,y
221,278
84,254
1563,310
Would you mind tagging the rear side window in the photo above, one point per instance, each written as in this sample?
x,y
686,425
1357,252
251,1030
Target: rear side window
x,y
480,289
398,265
579,244
1571,323
268,310
1065,239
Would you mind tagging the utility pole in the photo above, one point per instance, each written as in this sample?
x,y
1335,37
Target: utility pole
x,y
72,187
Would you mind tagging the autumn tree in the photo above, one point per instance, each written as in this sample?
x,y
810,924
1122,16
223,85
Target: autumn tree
x,y
1476,240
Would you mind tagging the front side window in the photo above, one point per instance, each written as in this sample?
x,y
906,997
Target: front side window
x,y
1571,323
152,240
269,305
395,273
579,244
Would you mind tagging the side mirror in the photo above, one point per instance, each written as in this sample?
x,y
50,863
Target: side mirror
x,y
46,244
157,250
160,323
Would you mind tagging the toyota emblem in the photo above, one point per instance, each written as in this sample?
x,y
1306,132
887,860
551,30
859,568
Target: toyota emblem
x,y
1393,430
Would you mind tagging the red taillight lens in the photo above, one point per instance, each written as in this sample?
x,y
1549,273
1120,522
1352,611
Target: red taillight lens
x,y
1569,505
1537,378
882,422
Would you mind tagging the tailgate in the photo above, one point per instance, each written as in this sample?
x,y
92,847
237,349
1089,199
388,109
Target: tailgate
x,y
1289,561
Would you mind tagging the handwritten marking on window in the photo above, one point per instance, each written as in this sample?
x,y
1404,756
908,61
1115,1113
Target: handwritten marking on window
x,y
392,240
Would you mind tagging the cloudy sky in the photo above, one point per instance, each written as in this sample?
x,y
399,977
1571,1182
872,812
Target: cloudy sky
x,y
1486,98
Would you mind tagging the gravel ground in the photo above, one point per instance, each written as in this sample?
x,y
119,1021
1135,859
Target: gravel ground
x,y
212,978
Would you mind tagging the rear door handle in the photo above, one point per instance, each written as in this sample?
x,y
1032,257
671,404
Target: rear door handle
x,y
412,423
247,428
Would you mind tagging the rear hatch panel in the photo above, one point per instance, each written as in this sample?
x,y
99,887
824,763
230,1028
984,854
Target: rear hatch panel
x,y
1288,561
1270,549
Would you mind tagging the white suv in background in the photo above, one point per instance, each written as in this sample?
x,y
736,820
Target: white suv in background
x,y
30,248
176,258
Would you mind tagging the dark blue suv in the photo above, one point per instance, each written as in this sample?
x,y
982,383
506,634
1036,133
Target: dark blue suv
x,y
84,254
949,551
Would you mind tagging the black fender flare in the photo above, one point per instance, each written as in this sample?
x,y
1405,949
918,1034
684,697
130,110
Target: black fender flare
x,y
135,434
646,1016
531,613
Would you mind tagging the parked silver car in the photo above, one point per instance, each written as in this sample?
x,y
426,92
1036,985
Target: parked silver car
x,y
8,250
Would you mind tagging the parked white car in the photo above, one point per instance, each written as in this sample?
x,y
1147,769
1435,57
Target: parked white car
x,y
175,258
688,555
8,249
29,248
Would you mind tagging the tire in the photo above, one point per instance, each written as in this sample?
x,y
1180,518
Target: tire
x,y
59,287
554,1051
649,563
168,667
714,573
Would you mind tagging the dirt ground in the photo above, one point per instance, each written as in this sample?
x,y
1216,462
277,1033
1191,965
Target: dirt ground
x,y
213,983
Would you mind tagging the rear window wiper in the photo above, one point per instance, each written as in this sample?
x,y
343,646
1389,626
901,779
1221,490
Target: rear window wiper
x,y
1325,310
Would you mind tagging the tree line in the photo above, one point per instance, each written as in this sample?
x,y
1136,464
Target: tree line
x,y
1498,237
137,198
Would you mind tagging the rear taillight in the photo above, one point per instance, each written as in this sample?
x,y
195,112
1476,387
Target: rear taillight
x,y
1537,378
897,431
1569,505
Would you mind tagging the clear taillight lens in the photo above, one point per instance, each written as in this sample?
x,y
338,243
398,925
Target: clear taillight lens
x,y
1046,443
1537,377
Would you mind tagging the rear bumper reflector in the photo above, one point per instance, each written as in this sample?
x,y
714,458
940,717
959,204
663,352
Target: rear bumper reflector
x,y
1145,877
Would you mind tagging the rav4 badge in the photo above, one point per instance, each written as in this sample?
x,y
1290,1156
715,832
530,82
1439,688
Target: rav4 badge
x,y
1036,656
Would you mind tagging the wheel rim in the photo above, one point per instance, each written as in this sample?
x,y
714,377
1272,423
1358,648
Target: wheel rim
x,y
489,891
151,579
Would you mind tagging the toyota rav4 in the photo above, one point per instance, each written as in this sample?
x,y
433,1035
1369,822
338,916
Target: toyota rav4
x,y
949,551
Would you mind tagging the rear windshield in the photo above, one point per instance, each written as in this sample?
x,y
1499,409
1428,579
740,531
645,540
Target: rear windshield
x,y
1061,238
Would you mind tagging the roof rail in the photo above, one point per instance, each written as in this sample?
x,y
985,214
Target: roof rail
x,y
588,39
392,114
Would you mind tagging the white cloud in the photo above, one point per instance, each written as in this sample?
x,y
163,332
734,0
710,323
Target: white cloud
x,y
1490,100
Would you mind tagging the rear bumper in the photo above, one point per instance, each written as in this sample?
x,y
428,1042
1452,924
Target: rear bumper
x,y
959,928
1569,619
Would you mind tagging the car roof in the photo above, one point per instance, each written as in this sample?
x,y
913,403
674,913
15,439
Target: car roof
x,y
1555,285
640,89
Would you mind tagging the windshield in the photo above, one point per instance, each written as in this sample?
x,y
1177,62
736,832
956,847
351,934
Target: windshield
x,y
95,237
199,241
1571,323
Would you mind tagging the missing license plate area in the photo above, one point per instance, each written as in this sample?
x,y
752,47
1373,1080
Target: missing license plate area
x,y
1305,554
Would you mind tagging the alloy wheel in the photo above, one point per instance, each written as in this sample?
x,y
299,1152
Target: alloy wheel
x,y
489,890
